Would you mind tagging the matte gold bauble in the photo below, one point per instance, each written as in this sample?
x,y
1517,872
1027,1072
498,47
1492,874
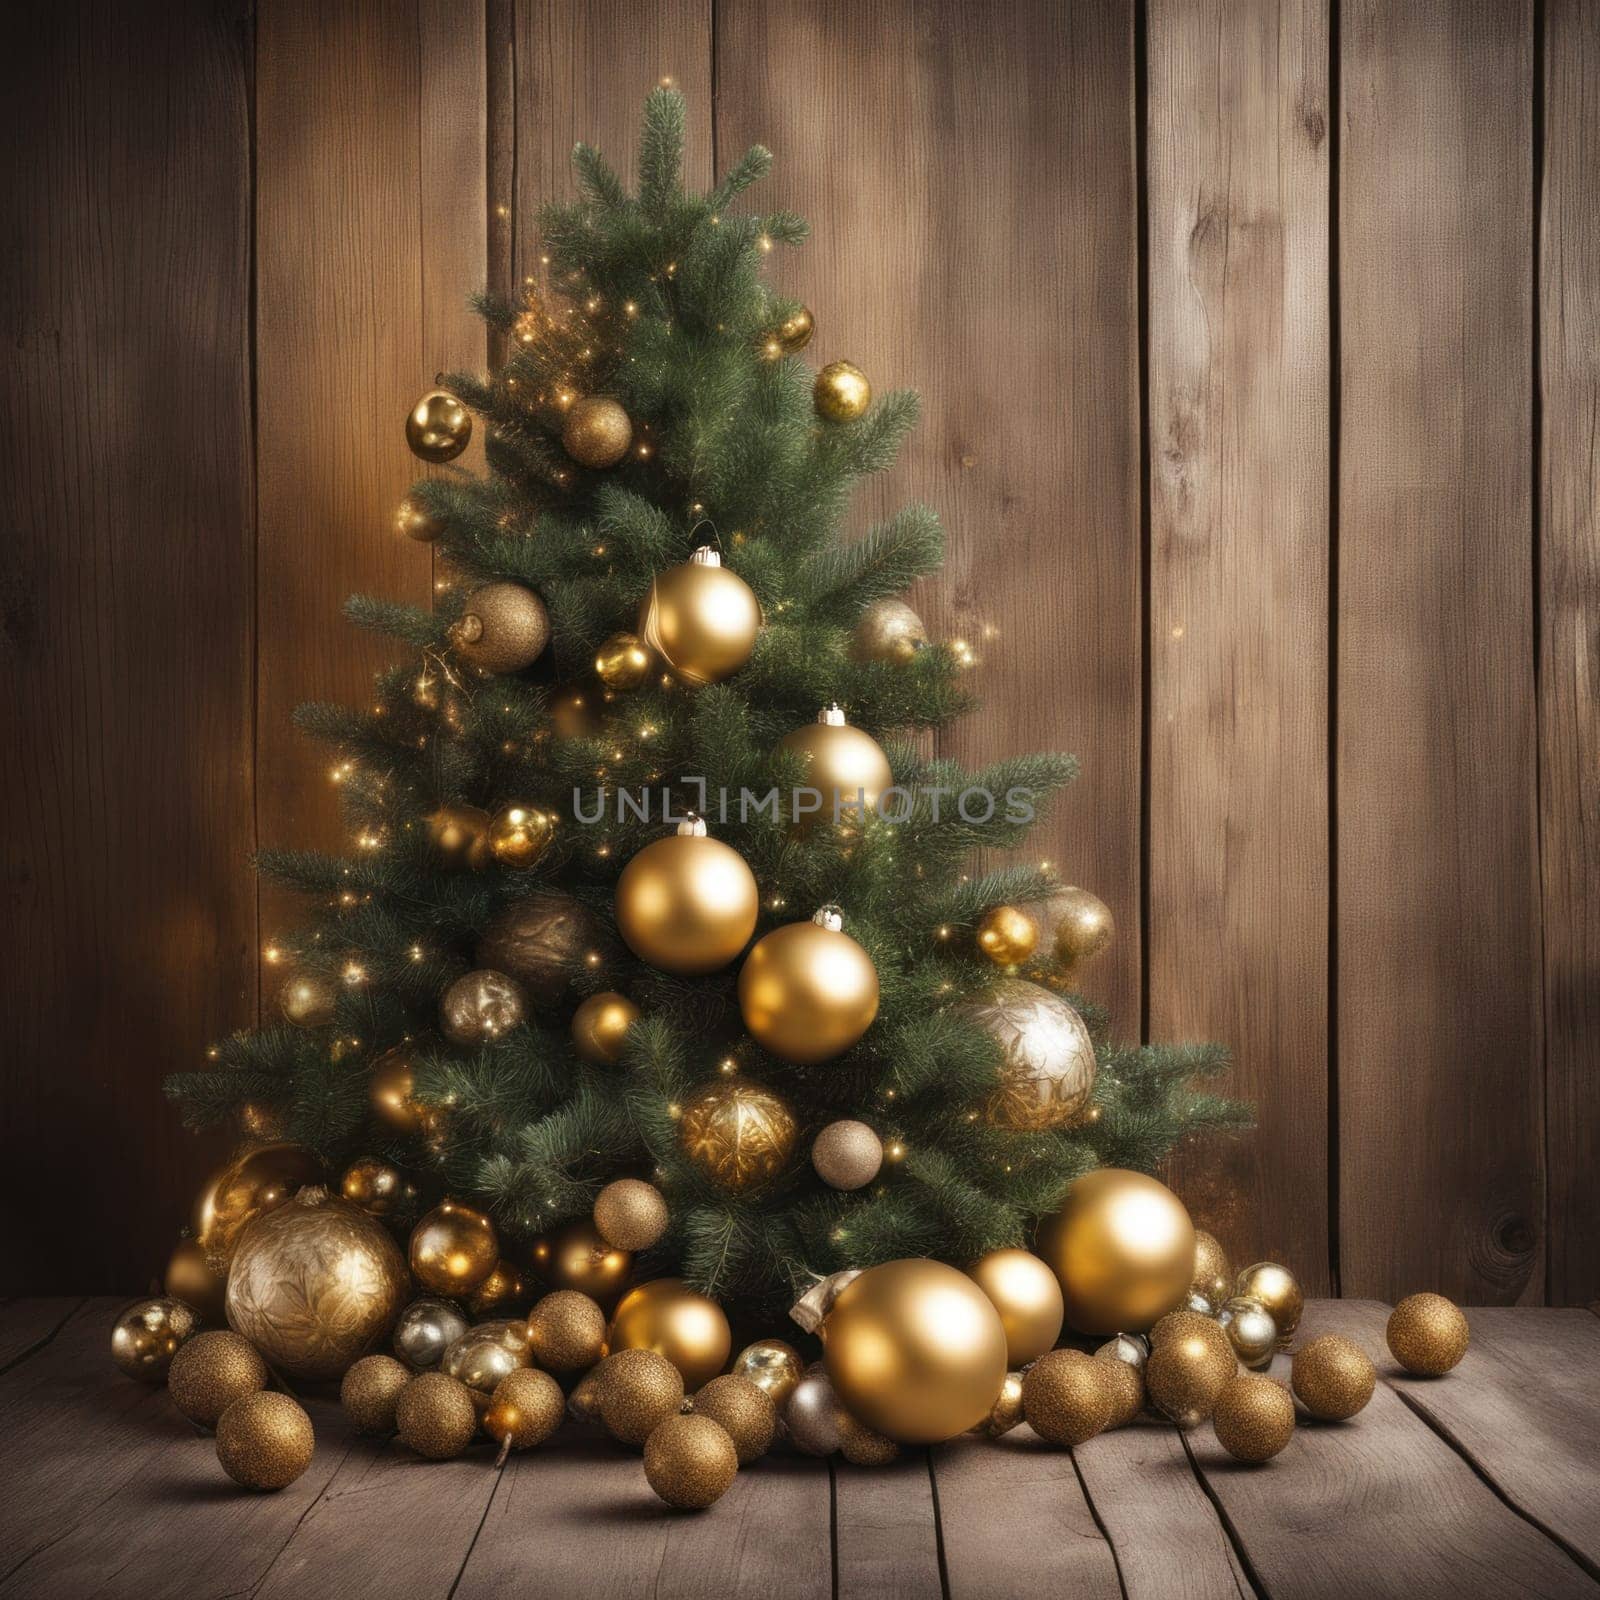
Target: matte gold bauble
x,y
1427,1334
580,1259
416,521
453,1249
1007,935
1025,1293
567,1332
915,1350
623,662
545,940
265,1441
460,835
1067,1397
841,392
500,1291
190,1279
631,1214
772,1366
689,1462
502,628
597,432
701,619
847,1154
487,1353
373,1185
426,1329
146,1337
1275,1290
1047,1065
888,630
687,904
211,1371
739,1135
844,765
1251,1331
1184,1376
250,1186
814,1416
525,1409
390,1090
518,835
638,1390
435,1416
1253,1418
808,991
1083,927
369,1391
439,427
744,1412
307,999
677,1322
1127,1390
479,1007
1213,1277
1333,1377
793,334
600,1027
1006,1413
1122,1246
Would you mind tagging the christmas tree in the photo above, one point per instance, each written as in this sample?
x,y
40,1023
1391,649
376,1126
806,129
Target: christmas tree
x,y
817,1036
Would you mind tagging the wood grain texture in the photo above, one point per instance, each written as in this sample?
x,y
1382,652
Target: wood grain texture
x,y
27,1326
126,617
1569,633
1438,988
885,1531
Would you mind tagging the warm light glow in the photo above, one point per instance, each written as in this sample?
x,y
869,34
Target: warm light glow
x,y
272,955
354,972
765,242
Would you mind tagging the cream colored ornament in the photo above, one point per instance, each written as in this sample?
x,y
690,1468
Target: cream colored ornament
x,y
845,767
688,903
807,990
847,1154
888,630
701,619
1048,1063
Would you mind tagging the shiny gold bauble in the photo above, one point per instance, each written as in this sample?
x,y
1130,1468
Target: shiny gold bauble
x,y
600,1027
846,766
638,1390
739,1135
1006,1413
1007,935
690,1462
623,662
249,1187
1253,1418
794,333
1275,1290
1251,1331
485,1354
808,991
439,427
1047,1064
915,1350
574,714
677,1322
315,1285
500,1291
1213,1277
743,1411
888,630
502,628
1333,1377
577,1258
426,1329
453,1249
1427,1334
1122,1246
519,835
146,1337
1068,1397
701,619
631,1214
687,904
861,1446
525,1409
190,1279
772,1366
481,1006
307,999
390,1090
265,1441
1025,1293
597,432
847,1154
841,392
460,835
567,1332
211,1371
369,1391
1184,1376
814,1416
373,1185
415,521
545,940
1127,1390
1083,927
435,1416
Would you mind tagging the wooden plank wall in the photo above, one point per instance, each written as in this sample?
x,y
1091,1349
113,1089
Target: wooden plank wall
x,y
1258,348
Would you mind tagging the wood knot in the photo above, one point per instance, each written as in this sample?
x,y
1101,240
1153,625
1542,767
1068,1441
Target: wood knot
x,y
1315,124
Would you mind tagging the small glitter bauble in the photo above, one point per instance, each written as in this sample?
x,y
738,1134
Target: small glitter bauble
x,y
576,1257
623,662
888,630
265,1441
502,1290
772,1366
1067,1397
373,1185
1253,1418
744,1412
597,432
1191,1324
689,1462
638,1391
1213,1277
1127,1390
518,835
369,1391
439,427
526,1408
1251,1331
567,1332
1184,1376
847,1154
600,1027
1333,1377
1427,1334
435,1416
210,1372
631,1214
739,1135
814,1416
502,628
583,1404
841,392
453,1249
146,1337
1007,1412
688,1328
861,1447
1275,1290
1007,935
479,1007
1047,1065
426,1329
1025,1293
487,1353
1082,927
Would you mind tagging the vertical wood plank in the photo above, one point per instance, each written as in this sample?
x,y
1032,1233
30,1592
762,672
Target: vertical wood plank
x,y
1569,666
1438,1005
1239,505
126,617
886,1531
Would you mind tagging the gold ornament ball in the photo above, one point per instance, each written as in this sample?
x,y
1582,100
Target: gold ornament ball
x,y
435,1416
487,1353
841,392
677,1322
739,1135
264,1441
1427,1334
249,1187
701,619
861,1447
415,521
146,1337
1067,1397
1184,1323
426,1329
794,333
846,766
502,628
1007,1411
1025,1293
638,1390
597,432
1275,1290
808,991
567,1332
1253,1418
1007,935
390,1090
545,940
1126,1382
690,1462
1047,1060
211,1371
847,1154
460,835
623,662
600,1027
583,1404
1122,1247
888,630
578,1258
307,999
1083,927
368,1393
501,1290
1333,1377
687,904
481,1006
772,1366
518,835
190,1279
915,1350
373,1185
1213,1277
744,1412
1251,1331
439,427
525,1409
631,1214
453,1249
1184,1376
814,1417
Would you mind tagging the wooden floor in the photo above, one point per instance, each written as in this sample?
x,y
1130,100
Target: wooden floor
x,y
1483,1483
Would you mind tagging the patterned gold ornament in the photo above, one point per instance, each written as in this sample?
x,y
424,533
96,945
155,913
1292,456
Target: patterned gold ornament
x,y
841,392
1213,1277
597,432
847,1154
1083,927
525,1409
631,1214
373,1185
638,1390
1127,1390
623,662
1252,1333
772,1366
190,1279
249,1187
1007,935
888,630
701,619
1275,1290
808,991
415,521
1184,1376
545,941
307,999
688,903
519,835
740,1135
1006,1413
435,1416
425,1330
487,1353
453,1249
481,1006
1067,1397
689,1462
843,765
600,1027
1047,1063
677,1322
146,1337
793,334
743,1411
1025,1293
1253,1418
814,1416
502,628
580,1259
265,1441
439,427
500,1291
368,1393
1333,1377
460,835
1427,1334
567,1332
211,1371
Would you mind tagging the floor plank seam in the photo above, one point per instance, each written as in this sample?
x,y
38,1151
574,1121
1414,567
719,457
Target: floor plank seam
x,y
500,1475
938,1527
1099,1522
316,1500
1246,1565
40,1343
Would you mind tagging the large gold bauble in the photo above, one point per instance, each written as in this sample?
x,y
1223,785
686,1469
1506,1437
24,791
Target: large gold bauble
x,y
453,1249
439,427
631,1214
675,1321
211,1371
307,999
545,941
1253,1418
315,1285
265,1441
373,1185
567,1332
689,1462
794,333
250,1186
146,1337
580,1259
1333,1377
487,1353
426,1329
368,1392
1047,1062
460,835
745,1412
1427,1334
638,1390
1276,1291
597,432
623,662
888,630
502,628
701,619
192,1280
844,765
808,991
841,392
847,1154
1068,1397
1122,1246
1083,927
1213,1277
772,1366
479,1007
519,835
738,1134
688,903
915,1350
1007,935
435,1416
1025,1293
1184,1376
600,1027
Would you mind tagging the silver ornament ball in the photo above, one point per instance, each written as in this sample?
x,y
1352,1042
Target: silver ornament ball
x,y
814,1417
1250,1329
426,1329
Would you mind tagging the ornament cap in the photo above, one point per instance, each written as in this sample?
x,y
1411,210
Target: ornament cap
x,y
829,917
831,716
813,1306
470,628
705,556
693,826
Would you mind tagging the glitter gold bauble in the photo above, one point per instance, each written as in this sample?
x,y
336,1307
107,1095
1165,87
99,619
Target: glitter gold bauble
x,y
439,427
1068,1397
1184,1376
744,1412
631,1214
453,1249
701,619
597,432
687,904
373,1185
1177,1324
794,333
576,1257
502,628
739,1135
250,1186
814,1416
1333,1377
460,835
1213,1277
265,1441
519,835
1083,927
888,630
525,1409
485,1354
638,1390
583,1404
545,941
315,1285
1006,1412
1275,1290
862,1447
677,1322
623,662
1251,1331
1047,1063
368,1392
1253,1418
500,1291
841,392
915,1350
1025,1293
435,1416
1427,1334
307,999
600,1027
481,1006
416,521
190,1279
390,1090
808,991
690,1462
1122,1246
847,1154
426,1329
146,1337
772,1366
1127,1390
1007,935
567,1332
843,765
211,1371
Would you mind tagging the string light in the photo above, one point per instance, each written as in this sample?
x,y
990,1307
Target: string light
x,y
765,242
272,955
354,973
